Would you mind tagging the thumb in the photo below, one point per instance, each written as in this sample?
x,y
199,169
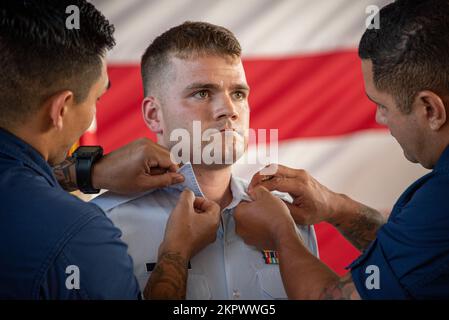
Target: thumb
x,y
206,206
186,198
258,193
162,180
184,206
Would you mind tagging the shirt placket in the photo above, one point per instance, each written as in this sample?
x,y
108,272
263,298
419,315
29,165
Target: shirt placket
x,y
232,285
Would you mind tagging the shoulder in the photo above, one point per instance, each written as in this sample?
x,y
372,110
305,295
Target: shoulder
x,y
32,197
95,261
110,200
429,204
124,210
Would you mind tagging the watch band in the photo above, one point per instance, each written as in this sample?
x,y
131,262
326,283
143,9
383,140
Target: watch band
x,y
85,158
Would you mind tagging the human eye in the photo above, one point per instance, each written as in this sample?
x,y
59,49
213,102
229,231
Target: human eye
x,y
239,95
202,94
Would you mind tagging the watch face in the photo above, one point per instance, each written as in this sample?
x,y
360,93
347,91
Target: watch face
x,y
87,151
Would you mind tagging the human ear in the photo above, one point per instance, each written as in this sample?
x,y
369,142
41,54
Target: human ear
x,y
151,114
433,109
58,106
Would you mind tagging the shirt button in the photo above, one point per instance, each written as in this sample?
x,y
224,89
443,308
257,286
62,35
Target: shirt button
x,y
236,294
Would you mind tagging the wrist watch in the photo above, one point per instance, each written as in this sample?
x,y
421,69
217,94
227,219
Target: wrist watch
x,y
85,157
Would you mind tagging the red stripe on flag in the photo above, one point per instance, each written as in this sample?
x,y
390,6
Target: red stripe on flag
x,y
335,250
310,96
89,139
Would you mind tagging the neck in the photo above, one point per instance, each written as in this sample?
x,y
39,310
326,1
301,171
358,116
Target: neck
x,y
215,183
436,145
437,154
31,135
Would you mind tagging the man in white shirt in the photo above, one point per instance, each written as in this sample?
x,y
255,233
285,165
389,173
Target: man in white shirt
x,y
193,74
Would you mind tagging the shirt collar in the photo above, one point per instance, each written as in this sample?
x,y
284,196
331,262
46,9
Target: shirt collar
x,y
238,188
189,182
109,200
239,192
16,148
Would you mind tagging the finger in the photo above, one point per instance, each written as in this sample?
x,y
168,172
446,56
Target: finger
x,y
259,192
154,171
240,209
174,167
165,160
159,156
299,215
206,206
282,171
293,186
187,198
162,180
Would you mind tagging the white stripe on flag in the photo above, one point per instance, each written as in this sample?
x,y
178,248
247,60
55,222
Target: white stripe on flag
x,y
265,28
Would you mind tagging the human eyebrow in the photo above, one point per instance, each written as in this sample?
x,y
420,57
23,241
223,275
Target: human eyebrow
x,y
242,87
371,99
200,85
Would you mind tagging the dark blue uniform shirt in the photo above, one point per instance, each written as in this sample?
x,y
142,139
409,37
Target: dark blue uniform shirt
x,y
411,250
50,240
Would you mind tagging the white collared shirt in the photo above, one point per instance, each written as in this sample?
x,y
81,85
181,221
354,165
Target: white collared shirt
x,y
226,269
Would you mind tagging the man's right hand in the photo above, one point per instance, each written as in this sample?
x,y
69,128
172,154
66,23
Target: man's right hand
x,y
312,202
192,225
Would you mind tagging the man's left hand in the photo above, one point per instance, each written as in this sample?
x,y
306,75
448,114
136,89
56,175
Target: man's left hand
x,y
136,167
265,221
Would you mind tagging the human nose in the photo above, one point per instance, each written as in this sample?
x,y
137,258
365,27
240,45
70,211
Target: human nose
x,y
226,108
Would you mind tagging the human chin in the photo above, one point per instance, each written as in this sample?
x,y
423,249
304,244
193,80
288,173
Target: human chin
x,y
409,156
234,149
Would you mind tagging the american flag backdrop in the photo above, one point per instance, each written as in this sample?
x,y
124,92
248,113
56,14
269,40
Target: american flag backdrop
x,y
301,62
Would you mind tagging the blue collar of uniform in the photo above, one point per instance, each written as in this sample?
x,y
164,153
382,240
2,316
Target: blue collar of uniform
x,y
16,148
443,162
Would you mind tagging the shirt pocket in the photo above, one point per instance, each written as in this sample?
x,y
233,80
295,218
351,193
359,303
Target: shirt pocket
x,y
270,282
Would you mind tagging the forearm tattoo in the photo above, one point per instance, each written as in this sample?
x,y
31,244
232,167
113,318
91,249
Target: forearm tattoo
x,y
169,278
361,230
344,289
65,173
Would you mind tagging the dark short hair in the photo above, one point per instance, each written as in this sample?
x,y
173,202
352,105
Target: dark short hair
x,y
40,56
410,50
183,41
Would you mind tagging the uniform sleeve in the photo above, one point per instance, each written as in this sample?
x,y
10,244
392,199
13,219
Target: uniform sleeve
x,y
94,264
374,278
410,252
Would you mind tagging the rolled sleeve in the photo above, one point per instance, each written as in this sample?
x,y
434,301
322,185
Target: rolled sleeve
x,y
389,285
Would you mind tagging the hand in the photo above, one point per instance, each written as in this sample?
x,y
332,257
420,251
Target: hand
x,y
136,167
312,202
265,221
192,225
